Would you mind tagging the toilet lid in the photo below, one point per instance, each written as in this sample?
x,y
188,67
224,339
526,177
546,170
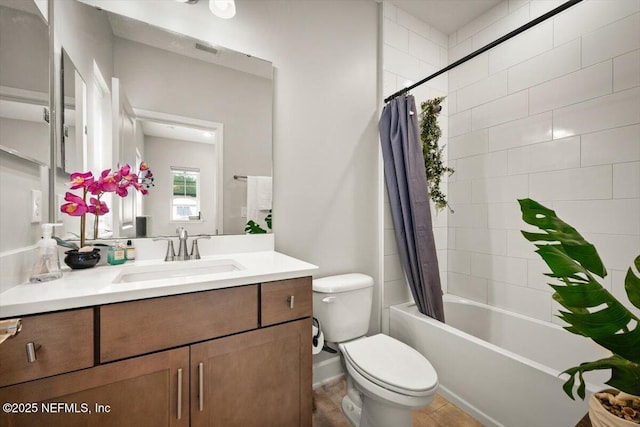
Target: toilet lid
x,y
391,364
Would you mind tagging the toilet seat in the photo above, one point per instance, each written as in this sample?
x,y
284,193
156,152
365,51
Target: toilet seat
x,y
392,365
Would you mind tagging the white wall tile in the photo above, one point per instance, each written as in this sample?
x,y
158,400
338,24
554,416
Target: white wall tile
x,y
540,7
424,49
469,215
441,39
518,246
481,240
483,91
468,73
460,50
390,245
515,19
501,268
462,285
459,192
517,4
572,184
547,66
393,268
626,71
522,47
401,63
615,39
590,15
483,166
526,301
396,292
413,24
468,144
396,35
459,261
459,123
494,14
511,107
536,279
545,156
617,251
500,190
611,111
389,10
611,146
582,85
440,237
521,132
616,216
626,180
505,215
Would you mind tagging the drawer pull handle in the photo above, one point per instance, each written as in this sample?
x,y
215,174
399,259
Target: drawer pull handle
x,y
201,386
291,301
180,393
32,349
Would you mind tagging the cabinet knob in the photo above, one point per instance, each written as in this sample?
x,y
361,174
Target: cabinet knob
x,y
291,300
32,349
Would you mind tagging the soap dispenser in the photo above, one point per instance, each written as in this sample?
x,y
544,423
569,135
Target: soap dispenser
x,y
46,265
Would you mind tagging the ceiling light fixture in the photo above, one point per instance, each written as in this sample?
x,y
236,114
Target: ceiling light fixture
x,y
223,8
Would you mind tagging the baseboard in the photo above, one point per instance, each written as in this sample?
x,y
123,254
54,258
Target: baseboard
x,y
326,368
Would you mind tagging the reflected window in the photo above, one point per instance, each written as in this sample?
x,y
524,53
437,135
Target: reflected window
x,y
185,197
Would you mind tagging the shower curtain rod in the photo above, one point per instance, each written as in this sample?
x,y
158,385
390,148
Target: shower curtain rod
x,y
485,48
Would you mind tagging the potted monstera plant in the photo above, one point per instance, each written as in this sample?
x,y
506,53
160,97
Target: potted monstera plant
x,y
591,311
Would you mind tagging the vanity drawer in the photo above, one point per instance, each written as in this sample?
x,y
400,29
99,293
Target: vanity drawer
x,y
139,327
62,342
276,300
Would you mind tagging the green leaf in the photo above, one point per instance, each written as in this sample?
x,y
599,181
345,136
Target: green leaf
x,y
632,285
591,310
253,228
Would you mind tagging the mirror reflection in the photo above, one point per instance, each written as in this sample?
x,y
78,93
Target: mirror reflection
x,y
24,81
73,139
152,95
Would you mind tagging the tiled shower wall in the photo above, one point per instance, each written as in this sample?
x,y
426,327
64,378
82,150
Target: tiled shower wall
x,y
554,115
412,50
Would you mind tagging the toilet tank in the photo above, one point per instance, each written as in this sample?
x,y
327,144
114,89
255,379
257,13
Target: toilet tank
x,y
342,304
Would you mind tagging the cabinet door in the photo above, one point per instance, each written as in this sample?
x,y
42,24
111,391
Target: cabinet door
x,y
260,378
142,391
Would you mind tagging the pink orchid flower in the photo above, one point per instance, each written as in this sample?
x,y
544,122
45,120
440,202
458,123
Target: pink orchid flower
x,y
80,180
97,207
75,207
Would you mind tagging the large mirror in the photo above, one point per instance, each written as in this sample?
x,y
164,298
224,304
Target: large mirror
x,y
199,115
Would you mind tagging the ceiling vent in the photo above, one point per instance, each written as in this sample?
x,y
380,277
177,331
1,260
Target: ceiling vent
x,y
206,48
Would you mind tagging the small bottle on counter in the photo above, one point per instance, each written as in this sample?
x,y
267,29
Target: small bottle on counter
x,y
117,254
131,250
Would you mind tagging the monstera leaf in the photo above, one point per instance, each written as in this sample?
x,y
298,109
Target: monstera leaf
x,y
591,310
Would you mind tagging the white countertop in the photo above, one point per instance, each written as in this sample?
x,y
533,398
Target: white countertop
x,y
95,286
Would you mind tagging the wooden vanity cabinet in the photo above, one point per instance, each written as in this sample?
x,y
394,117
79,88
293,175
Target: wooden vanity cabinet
x,y
236,363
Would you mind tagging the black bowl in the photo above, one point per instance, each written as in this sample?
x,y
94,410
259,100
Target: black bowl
x,y
77,260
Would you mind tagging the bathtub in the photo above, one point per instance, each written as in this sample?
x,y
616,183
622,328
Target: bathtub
x,y
499,366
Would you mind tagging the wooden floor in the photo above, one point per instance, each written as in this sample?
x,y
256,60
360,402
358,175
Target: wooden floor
x,y
440,413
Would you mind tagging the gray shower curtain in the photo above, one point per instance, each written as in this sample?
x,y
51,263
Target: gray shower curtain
x,y
404,173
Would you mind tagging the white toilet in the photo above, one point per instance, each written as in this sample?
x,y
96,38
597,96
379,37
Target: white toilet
x,y
387,380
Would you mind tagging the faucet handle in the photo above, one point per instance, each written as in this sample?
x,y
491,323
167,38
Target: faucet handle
x,y
195,253
171,253
182,233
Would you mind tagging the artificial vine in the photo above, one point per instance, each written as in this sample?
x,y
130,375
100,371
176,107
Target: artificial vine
x,y
430,134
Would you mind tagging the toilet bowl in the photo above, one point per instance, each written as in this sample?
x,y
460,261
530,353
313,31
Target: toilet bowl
x,y
386,379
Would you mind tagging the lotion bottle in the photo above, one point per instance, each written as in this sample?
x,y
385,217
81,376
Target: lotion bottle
x,y
46,266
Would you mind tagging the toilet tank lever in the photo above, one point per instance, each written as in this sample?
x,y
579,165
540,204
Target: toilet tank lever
x,y
328,300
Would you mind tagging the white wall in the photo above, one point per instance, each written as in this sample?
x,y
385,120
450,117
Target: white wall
x,y
412,50
553,114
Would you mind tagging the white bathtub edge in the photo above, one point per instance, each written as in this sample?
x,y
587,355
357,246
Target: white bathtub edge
x,y
479,416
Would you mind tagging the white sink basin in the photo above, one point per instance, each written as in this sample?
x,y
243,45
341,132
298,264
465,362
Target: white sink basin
x,y
175,269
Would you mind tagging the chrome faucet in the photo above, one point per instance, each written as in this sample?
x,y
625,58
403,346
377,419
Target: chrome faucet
x,y
183,254
171,254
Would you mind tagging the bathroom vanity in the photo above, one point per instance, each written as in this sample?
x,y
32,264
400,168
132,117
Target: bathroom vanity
x,y
228,349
